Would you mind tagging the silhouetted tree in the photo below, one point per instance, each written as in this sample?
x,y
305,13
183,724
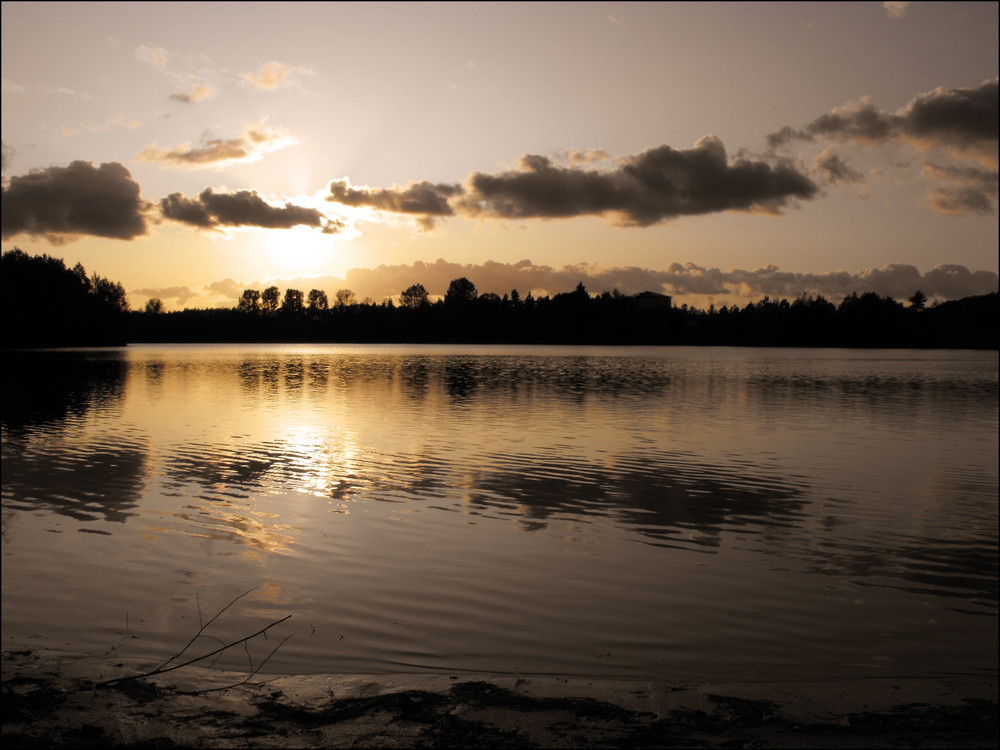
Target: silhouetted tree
x,y
918,300
47,304
293,301
153,306
344,298
249,301
317,300
109,292
460,292
269,299
414,296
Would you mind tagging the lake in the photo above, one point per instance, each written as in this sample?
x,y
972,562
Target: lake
x,y
684,514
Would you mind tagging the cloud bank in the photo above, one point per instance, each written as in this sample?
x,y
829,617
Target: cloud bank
x,y
686,282
242,208
79,199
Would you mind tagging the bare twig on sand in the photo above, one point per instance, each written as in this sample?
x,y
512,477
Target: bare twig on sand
x,y
163,668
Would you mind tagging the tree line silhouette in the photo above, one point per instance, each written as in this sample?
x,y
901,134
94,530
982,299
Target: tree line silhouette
x,y
46,304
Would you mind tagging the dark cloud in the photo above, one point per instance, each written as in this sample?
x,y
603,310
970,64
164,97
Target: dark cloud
x,y
7,154
426,199
835,169
242,208
964,120
657,185
971,191
80,199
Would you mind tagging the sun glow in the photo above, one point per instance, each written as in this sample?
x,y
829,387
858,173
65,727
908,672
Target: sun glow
x,y
302,251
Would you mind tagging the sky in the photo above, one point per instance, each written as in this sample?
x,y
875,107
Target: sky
x,y
714,152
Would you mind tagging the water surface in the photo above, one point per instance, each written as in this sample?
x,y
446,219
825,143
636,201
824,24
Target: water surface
x,y
680,513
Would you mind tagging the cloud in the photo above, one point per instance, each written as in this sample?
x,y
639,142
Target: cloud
x,y
7,154
274,75
644,189
242,208
586,155
81,199
227,288
972,191
961,120
835,169
215,153
896,10
116,121
8,85
198,93
687,281
422,198
179,293
155,56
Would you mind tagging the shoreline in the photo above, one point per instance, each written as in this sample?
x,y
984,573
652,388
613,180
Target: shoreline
x,y
50,699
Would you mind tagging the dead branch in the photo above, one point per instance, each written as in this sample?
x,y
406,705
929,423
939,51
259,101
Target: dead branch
x,y
202,627
162,670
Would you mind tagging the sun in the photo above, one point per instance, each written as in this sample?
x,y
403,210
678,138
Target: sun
x,y
301,251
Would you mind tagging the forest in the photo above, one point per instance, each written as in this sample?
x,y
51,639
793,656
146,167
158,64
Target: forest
x,y
46,304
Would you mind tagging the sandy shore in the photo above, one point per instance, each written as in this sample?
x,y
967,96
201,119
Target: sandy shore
x,y
55,700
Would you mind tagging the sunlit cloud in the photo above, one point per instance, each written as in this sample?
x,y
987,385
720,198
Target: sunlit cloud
x,y
424,199
178,295
61,203
586,155
242,208
227,288
118,121
16,88
198,93
155,56
275,75
216,153
896,10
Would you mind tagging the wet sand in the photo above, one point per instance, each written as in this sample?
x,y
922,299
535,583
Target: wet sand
x,y
55,700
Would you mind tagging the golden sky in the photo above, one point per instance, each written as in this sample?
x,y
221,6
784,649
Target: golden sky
x,y
711,151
